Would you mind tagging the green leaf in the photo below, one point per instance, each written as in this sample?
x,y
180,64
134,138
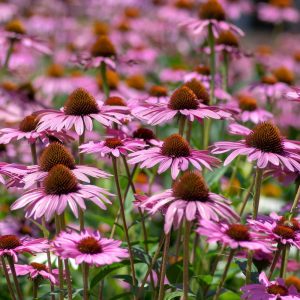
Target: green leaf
x,y
41,227
213,177
176,294
107,270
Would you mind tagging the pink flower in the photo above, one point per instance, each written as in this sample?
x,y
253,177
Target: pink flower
x,y
233,236
189,198
270,12
36,271
113,146
294,95
13,245
278,229
183,102
89,247
79,111
269,290
53,155
28,130
175,153
60,188
263,144
235,9
211,13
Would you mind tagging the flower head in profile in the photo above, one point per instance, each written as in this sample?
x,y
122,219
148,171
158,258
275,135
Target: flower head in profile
x,y
28,130
13,245
294,94
101,51
189,101
269,290
174,153
90,248
37,271
54,154
263,144
79,111
233,235
189,198
278,11
113,146
278,229
60,189
211,14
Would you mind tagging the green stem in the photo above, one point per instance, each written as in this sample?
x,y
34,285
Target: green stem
x,y
81,162
15,278
33,153
9,53
247,196
249,267
9,285
104,79
60,264
258,182
189,131
295,203
275,260
206,135
85,273
222,281
181,124
164,267
225,70
35,287
186,259
284,260
114,161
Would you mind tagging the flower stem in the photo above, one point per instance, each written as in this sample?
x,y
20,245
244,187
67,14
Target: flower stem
x,y
222,281
9,285
149,271
163,267
15,278
275,260
247,196
189,131
212,60
35,287
258,182
85,271
33,153
60,264
295,203
114,161
284,260
9,52
225,70
186,240
81,161
181,124
249,267
104,79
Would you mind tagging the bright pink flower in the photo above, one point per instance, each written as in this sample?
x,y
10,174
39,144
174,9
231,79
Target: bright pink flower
x,y
233,236
189,198
294,95
12,245
89,247
60,188
113,146
269,290
79,111
28,130
183,102
36,271
263,144
175,153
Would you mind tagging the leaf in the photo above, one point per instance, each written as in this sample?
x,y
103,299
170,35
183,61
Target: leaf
x,y
121,296
176,294
204,278
242,263
142,255
107,270
41,227
213,177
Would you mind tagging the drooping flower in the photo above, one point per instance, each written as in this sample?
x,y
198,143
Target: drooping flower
x,y
89,247
183,102
79,111
175,153
263,144
189,198
233,235
36,271
60,189
12,245
51,156
269,290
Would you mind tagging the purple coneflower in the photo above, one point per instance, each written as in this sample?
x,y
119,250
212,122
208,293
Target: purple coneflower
x,y
37,271
12,245
175,153
269,290
89,248
263,144
79,111
189,101
189,198
59,189
233,235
